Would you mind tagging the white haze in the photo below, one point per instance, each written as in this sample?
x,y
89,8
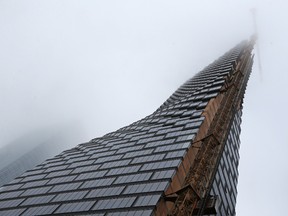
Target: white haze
x,y
100,65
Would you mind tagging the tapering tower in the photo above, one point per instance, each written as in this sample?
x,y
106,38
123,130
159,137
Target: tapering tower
x,y
180,160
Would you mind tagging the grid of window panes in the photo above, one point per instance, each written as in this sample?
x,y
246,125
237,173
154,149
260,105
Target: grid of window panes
x,y
225,183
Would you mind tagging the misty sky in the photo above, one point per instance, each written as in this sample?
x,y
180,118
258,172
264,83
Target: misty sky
x,y
100,65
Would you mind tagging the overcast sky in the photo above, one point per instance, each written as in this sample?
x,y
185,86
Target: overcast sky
x,y
100,65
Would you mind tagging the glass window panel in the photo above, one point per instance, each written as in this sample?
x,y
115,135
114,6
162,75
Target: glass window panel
x,y
133,178
109,158
13,212
86,168
70,196
35,177
137,153
62,179
56,168
146,187
36,191
65,187
161,165
10,203
149,158
82,163
98,183
75,207
115,164
37,200
129,149
34,184
123,170
149,200
90,175
10,194
175,154
102,192
58,173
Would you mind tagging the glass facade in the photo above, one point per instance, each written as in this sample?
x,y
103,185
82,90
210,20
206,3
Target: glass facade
x,y
225,182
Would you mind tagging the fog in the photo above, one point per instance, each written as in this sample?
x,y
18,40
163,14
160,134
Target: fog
x,y
100,65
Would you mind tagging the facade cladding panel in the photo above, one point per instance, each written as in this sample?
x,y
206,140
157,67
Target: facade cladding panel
x,y
130,171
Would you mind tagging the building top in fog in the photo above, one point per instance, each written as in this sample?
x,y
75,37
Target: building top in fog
x,y
145,168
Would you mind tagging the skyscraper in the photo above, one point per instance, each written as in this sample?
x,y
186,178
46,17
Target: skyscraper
x,y
180,160
27,151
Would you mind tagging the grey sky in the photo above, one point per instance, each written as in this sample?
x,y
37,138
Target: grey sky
x,y
101,65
